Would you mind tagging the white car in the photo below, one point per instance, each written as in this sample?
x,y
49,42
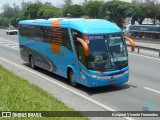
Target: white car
x,y
12,31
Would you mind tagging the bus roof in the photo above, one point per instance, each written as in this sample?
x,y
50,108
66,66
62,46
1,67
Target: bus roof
x,y
86,26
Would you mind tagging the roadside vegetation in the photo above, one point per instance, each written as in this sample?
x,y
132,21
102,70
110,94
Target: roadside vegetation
x,y
113,10
17,94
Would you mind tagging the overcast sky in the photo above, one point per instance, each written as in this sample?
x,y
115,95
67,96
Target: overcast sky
x,y
54,2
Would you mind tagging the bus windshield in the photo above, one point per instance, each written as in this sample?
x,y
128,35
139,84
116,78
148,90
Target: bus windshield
x,y
107,52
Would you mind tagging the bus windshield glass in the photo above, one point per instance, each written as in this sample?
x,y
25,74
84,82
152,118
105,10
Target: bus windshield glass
x,y
107,52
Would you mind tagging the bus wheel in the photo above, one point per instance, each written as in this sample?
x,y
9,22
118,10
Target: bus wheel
x,y
32,62
72,79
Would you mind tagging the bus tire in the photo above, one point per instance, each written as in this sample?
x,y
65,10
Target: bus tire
x,y
72,79
32,62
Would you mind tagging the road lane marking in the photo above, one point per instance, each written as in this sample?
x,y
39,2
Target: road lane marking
x,y
14,47
105,107
9,44
144,56
150,89
5,40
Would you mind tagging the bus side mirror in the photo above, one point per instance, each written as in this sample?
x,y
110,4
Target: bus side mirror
x,y
132,43
85,46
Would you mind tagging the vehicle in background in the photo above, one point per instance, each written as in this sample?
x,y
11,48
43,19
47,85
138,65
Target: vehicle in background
x,y
136,30
126,28
145,31
11,31
91,52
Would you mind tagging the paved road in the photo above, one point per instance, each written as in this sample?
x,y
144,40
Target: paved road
x,y
142,90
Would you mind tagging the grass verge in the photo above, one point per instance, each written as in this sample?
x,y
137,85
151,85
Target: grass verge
x,y
17,94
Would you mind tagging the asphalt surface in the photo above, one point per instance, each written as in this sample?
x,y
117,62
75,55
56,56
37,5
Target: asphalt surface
x,y
142,89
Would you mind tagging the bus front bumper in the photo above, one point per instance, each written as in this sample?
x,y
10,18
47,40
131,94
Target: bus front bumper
x,y
97,81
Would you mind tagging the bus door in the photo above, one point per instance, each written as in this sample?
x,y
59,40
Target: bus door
x,y
80,53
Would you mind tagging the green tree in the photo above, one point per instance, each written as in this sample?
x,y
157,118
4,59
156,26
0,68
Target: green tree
x,y
148,9
8,11
141,14
48,4
32,10
92,8
74,11
14,20
158,13
46,12
85,16
24,5
117,11
4,22
152,9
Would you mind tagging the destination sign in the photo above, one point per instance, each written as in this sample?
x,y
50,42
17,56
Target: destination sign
x,y
94,37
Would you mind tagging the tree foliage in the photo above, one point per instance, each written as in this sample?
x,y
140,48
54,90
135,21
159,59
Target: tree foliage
x,y
24,5
4,22
147,9
46,12
158,13
32,10
117,11
8,11
74,10
92,8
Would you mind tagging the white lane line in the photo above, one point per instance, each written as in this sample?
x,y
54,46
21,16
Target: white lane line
x,y
14,46
144,56
66,88
150,89
5,40
10,46
7,45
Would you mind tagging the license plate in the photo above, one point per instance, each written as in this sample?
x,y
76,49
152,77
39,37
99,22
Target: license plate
x,y
111,82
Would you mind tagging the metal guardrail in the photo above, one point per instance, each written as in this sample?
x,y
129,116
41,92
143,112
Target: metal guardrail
x,y
146,48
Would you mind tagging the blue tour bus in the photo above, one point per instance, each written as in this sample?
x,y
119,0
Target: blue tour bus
x,y
91,52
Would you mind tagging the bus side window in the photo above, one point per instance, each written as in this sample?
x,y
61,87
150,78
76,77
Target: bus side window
x,y
66,39
38,33
24,31
46,34
20,27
